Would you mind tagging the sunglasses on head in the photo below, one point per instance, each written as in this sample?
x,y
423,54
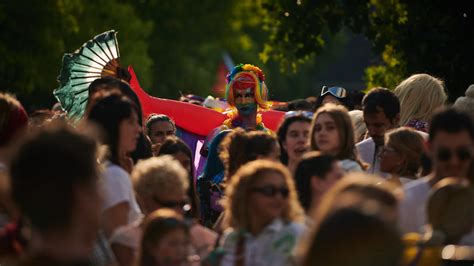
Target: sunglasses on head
x,y
306,114
462,153
338,92
272,191
183,204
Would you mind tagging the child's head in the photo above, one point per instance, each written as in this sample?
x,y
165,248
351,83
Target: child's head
x,y
165,239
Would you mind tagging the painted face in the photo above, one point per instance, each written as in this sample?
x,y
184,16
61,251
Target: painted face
x,y
451,153
267,200
296,140
326,134
160,130
377,124
129,133
172,248
245,101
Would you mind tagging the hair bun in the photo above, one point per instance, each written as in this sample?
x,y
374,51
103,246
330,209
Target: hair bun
x,y
470,91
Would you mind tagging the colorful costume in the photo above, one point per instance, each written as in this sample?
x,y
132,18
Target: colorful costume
x,y
247,82
246,77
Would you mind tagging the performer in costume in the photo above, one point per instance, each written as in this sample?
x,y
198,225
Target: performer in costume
x,y
246,94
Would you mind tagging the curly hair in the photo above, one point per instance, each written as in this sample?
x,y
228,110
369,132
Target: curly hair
x,y
236,202
240,147
159,174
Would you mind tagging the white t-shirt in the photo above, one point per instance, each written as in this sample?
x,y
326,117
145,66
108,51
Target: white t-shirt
x,y
116,187
273,246
366,150
128,235
412,209
349,165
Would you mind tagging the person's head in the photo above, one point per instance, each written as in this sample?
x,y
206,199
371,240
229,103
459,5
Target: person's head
x,y
246,89
381,109
39,118
466,103
357,117
180,151
105,86
353,237
419,96
293,135
300,105
13,119
165,241
334,95
262,145
450,210
117,116
53,183
332,132
315,174
260,191
240,147
361,191
451,142
160,182
159,127
402,152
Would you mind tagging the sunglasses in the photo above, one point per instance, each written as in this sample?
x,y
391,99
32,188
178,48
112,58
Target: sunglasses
x,y
306,114
338,92
183,204
445,154
272,191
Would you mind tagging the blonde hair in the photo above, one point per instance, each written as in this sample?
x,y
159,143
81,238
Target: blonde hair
x,y
344,126
236,202
410,145
159,174
420,95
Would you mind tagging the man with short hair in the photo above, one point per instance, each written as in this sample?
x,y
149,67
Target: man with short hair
x,y
450,147
381,113
53,183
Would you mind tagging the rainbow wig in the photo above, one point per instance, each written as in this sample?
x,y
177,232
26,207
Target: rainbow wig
x,y
247,76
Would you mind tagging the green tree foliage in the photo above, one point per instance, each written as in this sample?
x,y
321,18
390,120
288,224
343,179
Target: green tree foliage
x,y
36,34
412,36
173,45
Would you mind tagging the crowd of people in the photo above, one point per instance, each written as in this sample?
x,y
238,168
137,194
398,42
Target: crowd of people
x,y
381,179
